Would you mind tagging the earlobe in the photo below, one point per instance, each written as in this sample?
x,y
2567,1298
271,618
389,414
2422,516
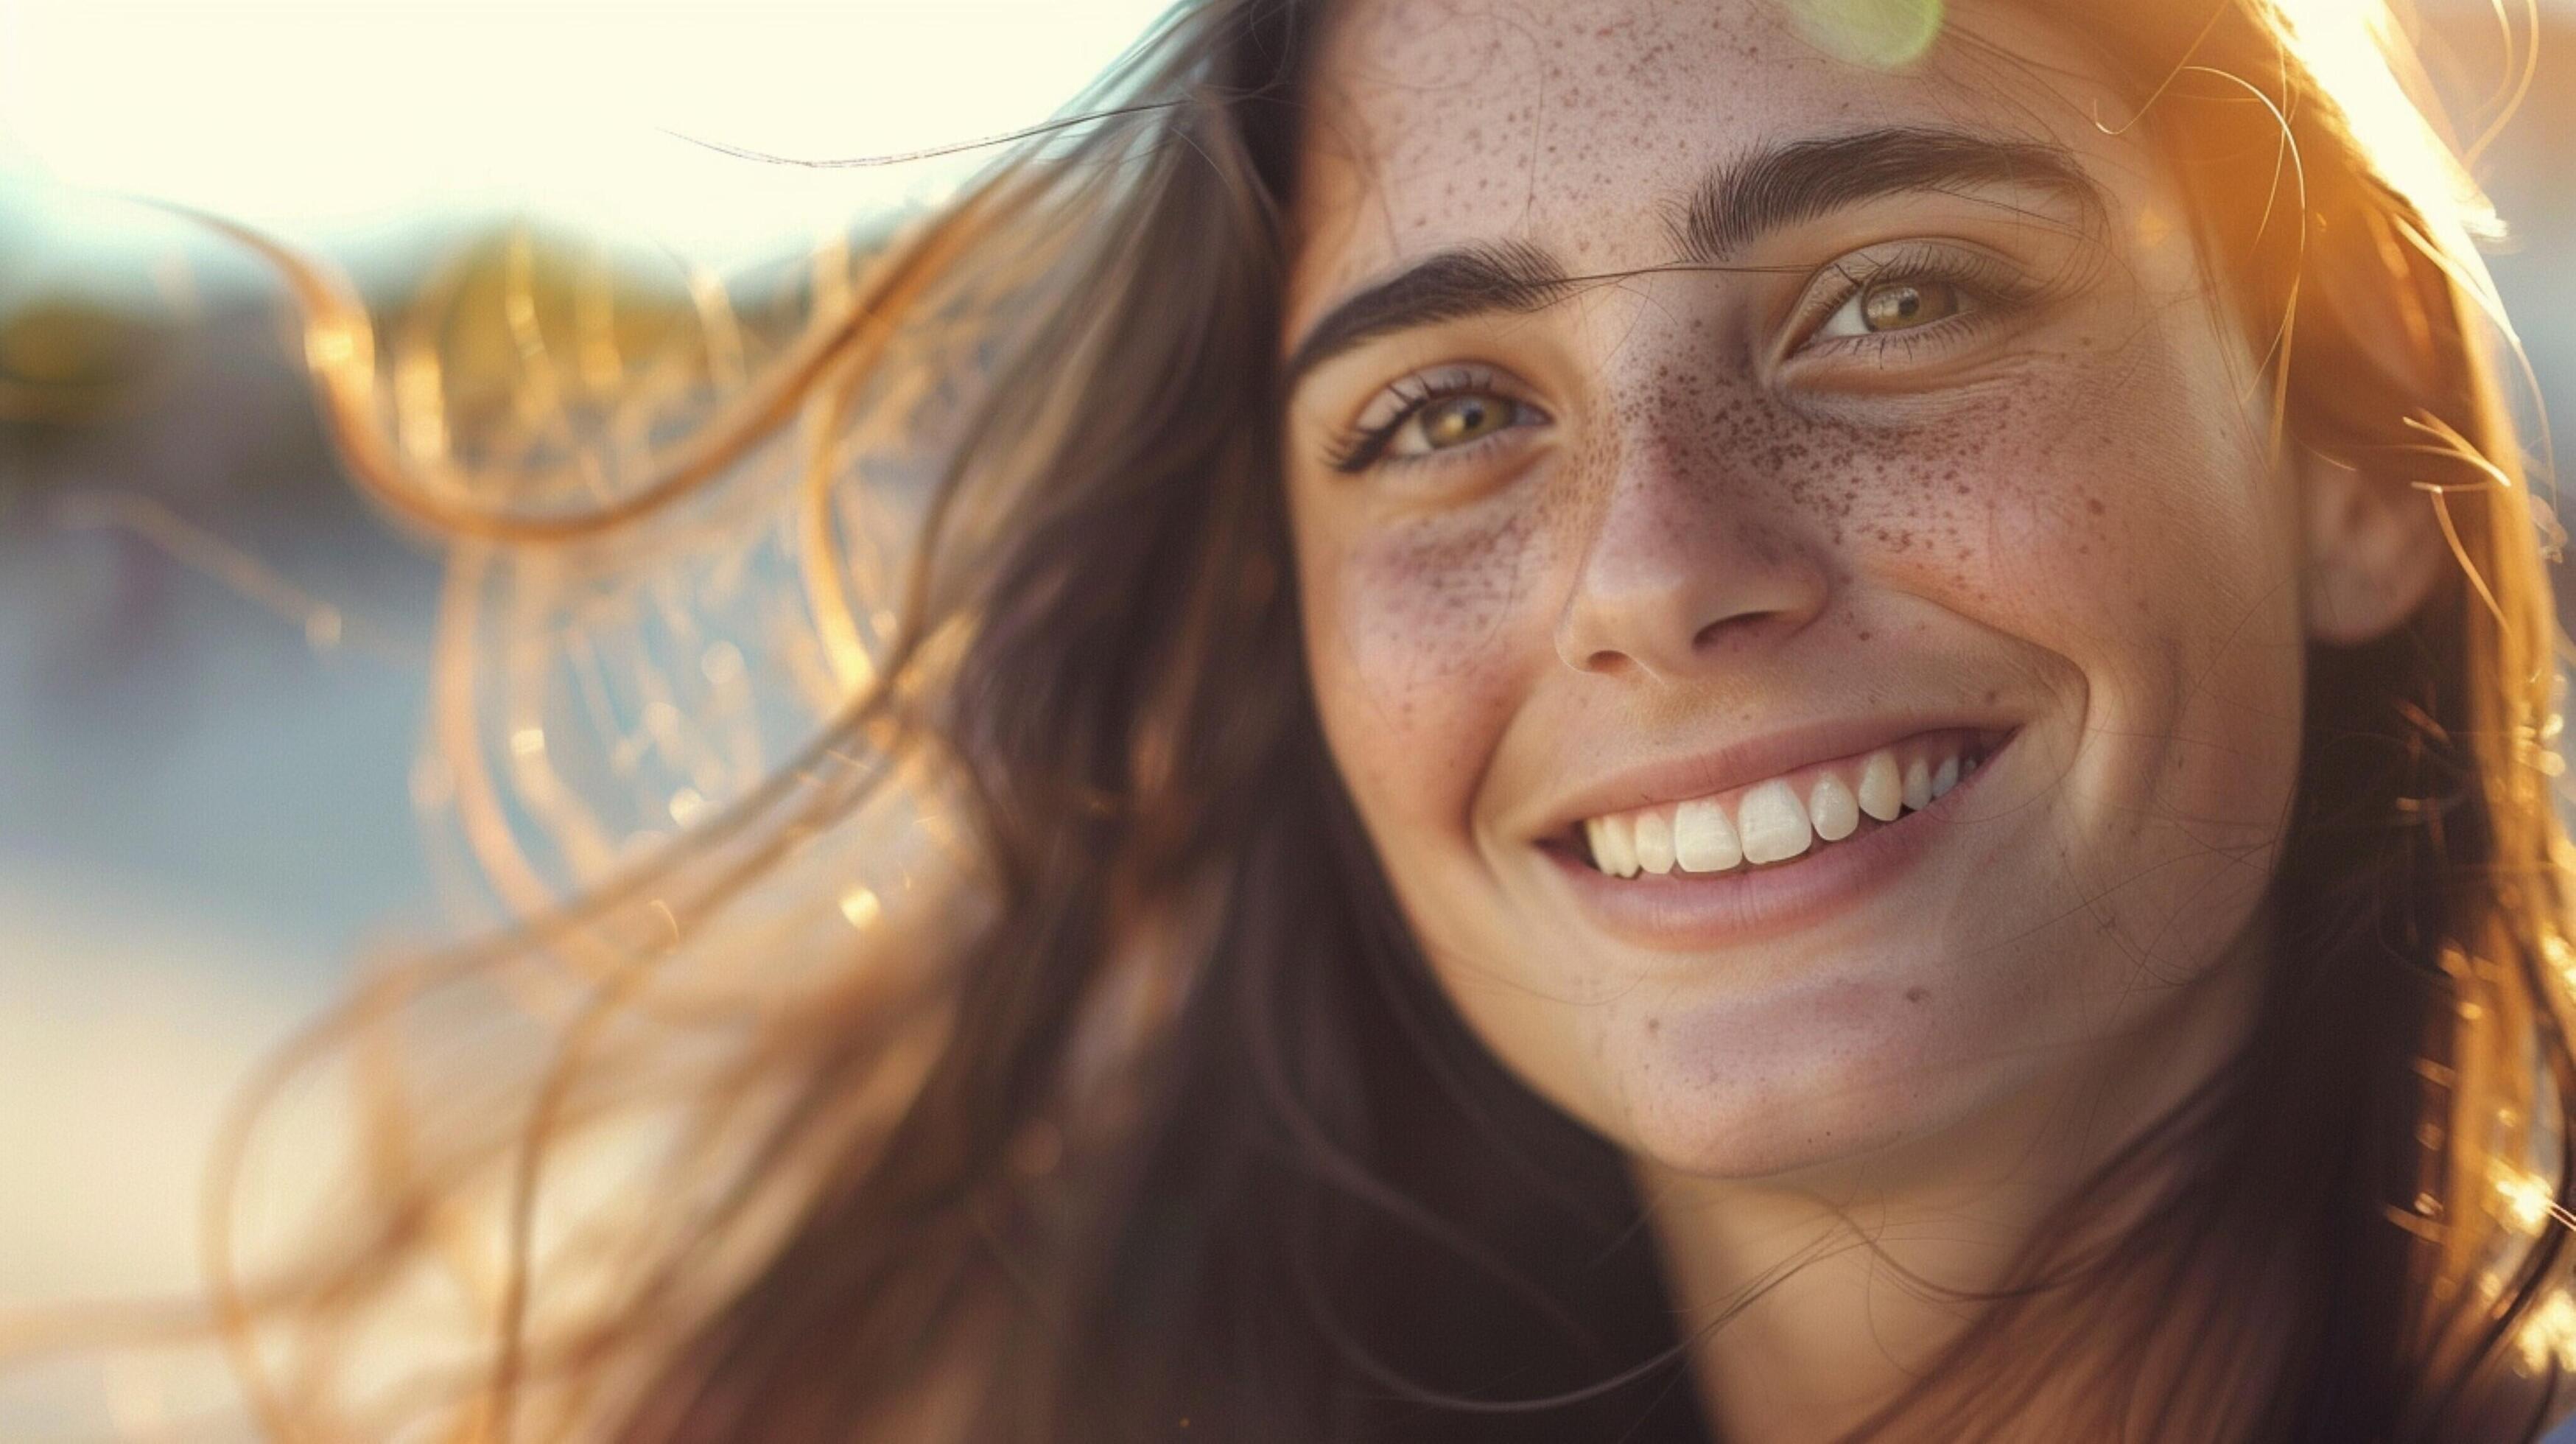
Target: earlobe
x,y
2374,549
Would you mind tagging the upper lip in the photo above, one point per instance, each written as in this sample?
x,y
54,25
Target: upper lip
x,y
1744,762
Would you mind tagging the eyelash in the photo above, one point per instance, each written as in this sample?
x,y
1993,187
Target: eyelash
x,y
1366,446
1993,287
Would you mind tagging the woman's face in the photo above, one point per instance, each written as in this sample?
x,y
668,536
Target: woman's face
x,y
1704,450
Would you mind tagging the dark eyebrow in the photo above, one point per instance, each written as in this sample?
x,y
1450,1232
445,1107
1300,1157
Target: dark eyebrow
x,y
1743,200
1512,276
1809,178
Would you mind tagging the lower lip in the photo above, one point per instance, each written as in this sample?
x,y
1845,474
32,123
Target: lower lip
x,y
1688,912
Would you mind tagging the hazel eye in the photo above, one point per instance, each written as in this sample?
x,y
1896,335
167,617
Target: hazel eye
x,y
1894,305
1429,417
1454,421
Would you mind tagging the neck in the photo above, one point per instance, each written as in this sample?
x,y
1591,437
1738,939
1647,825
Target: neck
x,y
1812,1301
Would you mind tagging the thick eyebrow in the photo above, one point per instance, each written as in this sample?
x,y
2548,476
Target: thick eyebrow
x,y
1506,278
1739,203
1805,179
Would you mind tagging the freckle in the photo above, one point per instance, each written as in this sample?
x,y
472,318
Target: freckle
x,y
2093,504
1654,1027
1916,995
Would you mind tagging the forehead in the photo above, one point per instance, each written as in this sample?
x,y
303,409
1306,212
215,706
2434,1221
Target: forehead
x,y
1581,125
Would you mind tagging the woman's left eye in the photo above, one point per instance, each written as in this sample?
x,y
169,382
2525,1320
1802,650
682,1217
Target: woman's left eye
x,y
1903,303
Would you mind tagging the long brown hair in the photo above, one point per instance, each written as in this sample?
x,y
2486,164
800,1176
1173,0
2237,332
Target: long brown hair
x,y
1124,1106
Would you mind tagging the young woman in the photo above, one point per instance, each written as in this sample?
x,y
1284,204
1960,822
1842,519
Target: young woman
x,y
1751,719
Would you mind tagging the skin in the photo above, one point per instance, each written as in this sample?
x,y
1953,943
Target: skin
x,y
1708,520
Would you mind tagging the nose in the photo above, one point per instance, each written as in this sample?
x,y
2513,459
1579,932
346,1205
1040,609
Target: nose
x,y
1683,567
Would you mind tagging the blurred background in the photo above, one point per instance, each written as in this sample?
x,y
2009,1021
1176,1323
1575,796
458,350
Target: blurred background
x,y
215,656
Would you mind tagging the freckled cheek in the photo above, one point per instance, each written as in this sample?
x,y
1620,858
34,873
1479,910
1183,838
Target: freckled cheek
x,y
2116,521
2140,524
2071,511
1418,646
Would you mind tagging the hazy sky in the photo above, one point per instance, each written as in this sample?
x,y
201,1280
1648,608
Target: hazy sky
x,y
335,119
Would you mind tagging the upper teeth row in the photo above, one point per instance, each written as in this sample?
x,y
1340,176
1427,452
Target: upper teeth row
x,y
1773,820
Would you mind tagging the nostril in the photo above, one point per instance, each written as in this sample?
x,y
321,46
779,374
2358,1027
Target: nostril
x,y
1739,630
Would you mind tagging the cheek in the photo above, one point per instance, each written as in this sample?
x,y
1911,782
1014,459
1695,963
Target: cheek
x,y
2000,511
2108,512
1419,636
2116,519
2134,526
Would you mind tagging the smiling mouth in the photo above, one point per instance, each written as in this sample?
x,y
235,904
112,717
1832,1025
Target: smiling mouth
x,y
1782,820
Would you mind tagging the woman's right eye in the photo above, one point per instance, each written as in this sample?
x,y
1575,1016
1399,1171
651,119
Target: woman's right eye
x,y
1435,417
1453,421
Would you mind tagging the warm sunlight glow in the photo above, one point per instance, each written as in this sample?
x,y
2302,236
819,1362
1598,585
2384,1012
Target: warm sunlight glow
x,y
2548,1337
333,121
2525,1199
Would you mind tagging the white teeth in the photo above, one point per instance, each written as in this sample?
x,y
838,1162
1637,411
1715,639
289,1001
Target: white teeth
x,y
1622,834
1918,785
1832,808
1882,791
1703,840
1613,847
1768,822
1654,842
1773,825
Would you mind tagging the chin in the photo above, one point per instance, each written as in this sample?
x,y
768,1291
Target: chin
x,y
1847,1072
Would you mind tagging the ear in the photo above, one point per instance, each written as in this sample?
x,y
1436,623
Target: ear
x,y
2374,549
